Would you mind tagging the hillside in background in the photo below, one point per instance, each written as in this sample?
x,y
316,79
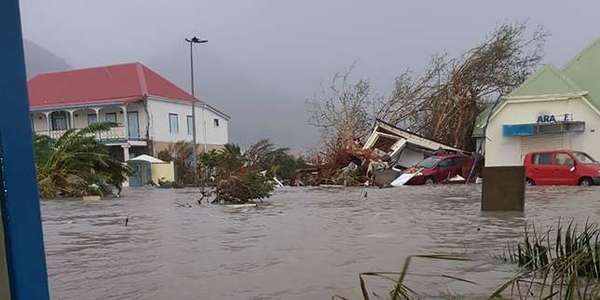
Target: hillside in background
x,y
40,60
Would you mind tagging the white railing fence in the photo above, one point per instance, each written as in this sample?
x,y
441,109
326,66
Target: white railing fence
x,y
114,134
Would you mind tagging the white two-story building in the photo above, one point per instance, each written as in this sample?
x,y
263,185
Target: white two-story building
x,y
150,112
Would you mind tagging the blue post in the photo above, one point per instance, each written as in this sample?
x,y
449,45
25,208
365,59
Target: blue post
x,y
20,206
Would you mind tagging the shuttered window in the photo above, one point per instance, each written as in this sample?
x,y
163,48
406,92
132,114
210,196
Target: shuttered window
x,y
541,142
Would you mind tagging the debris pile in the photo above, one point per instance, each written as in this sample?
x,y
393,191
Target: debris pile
x,y
387,152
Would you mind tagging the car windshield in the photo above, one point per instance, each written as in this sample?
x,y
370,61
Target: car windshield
x,y
584,158
428,163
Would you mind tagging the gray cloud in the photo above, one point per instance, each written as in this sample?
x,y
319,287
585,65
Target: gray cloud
x,y
264,58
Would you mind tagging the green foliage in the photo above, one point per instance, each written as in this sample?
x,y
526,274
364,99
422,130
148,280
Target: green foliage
x,y
164,155
237,175
558,264
76,164
277,162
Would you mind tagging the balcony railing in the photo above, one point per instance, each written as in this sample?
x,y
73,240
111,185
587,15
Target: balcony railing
x,y
115,134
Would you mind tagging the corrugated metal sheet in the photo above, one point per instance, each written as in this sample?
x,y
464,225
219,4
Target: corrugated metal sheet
x,y
542,142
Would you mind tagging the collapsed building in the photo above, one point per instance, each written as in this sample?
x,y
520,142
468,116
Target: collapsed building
x,y
399,149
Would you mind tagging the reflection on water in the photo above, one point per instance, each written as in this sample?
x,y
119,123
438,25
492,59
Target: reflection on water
x,y
308,243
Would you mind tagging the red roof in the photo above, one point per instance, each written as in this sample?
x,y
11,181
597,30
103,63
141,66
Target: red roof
x,y
116,83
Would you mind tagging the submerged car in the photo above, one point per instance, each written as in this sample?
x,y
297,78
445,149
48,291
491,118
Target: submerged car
x,y
561,167
439,169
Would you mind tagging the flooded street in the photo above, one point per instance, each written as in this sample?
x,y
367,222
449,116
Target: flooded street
x,y
309,243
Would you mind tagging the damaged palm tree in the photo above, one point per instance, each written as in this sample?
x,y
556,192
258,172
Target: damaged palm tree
x,y
241,177
76,164
443,103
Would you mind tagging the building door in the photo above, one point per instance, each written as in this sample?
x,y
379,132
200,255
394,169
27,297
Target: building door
x,y
133,124
92,118
541,142
59,120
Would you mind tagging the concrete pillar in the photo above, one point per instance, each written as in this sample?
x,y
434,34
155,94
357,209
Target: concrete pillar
x,y
125,121
71,118
48,122
97,111
503,188
204,128
125,152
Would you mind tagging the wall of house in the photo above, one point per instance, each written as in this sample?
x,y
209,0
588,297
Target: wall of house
x,y
159,111
39,122
509,150
163,172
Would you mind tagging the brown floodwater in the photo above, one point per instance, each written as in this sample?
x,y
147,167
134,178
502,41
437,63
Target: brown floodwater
x,y
307,243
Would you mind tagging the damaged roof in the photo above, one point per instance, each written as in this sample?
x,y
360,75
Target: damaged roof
x,y
383,128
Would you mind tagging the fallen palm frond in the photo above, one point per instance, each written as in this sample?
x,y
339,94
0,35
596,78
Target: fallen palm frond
x,y
558,264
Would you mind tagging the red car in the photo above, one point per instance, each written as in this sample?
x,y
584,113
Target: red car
x,y
438,169
561,167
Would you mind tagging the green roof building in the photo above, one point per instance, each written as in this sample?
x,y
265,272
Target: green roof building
x,y
554,108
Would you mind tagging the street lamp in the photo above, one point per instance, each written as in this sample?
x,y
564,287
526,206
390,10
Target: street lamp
x,y
192,41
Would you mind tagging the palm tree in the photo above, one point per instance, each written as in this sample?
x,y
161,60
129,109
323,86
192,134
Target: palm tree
x,y
76,164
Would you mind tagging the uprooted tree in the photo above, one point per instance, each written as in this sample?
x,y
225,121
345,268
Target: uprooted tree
x,y
242,176
343,112
444,101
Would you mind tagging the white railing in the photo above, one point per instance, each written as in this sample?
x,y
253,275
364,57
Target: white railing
x,y
116,133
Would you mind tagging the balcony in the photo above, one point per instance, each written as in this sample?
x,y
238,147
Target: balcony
x,y
115,135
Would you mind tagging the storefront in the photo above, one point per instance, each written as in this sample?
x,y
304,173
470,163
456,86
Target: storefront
x,y
553,109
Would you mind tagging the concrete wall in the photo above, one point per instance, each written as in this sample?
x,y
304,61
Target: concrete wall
x,y
409,158
163,171
39,122
159,111
158,146
508,151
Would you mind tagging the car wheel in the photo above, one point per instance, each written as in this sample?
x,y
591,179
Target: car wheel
x,y
585,182
429,181
529,182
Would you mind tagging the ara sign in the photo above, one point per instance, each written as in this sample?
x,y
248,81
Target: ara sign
x,y
554,118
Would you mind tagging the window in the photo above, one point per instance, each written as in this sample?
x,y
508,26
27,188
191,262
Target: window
x,y
563,159
542,159
445,163
584,158
216,122
428,163
92,118
190,125
173,123
110,117
459,161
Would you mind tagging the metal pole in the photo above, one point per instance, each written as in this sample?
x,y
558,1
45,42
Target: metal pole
x,y
194,150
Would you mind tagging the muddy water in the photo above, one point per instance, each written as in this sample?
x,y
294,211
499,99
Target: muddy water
x,y
309,243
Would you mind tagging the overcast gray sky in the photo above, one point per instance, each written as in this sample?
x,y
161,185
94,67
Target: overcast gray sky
x,y
266,57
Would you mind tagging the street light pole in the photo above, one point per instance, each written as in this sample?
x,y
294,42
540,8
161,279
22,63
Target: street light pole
x,y
192,41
